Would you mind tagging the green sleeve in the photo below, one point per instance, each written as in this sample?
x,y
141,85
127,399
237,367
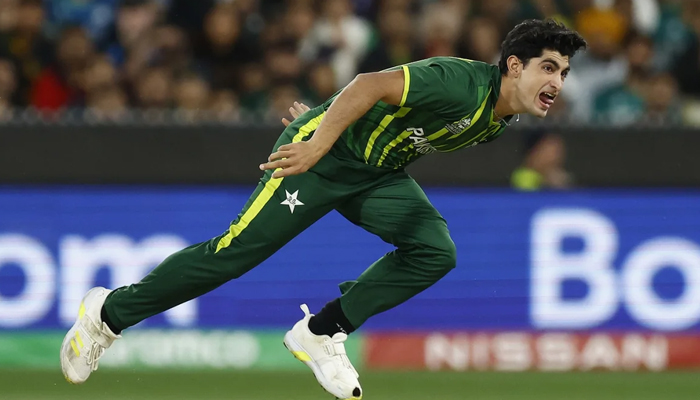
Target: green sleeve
x,y
445,86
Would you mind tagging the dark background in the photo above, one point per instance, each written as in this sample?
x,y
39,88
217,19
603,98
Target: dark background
x,y
632,157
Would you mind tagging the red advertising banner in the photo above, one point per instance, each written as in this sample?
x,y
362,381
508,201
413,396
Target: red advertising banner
x,y
520,351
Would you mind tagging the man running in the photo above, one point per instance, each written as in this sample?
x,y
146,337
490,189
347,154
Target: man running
x,y
349,155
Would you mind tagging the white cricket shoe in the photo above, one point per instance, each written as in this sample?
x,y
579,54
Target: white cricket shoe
x,y
326,357
87,340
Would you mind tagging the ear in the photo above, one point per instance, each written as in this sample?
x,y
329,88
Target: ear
x,y
515,66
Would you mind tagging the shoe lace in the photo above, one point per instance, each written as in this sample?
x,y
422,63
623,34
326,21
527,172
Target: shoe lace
x,y
93,355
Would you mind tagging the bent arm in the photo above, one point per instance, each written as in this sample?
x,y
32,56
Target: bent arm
x,y
355,100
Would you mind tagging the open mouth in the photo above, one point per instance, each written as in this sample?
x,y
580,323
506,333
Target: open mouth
x,y
547,99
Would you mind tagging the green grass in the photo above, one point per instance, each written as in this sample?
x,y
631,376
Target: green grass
x,y
249,385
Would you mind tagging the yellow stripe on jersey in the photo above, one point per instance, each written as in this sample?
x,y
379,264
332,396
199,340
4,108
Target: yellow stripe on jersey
x,y
476,117
491,129
406,85
437,134
381,127
266,193
391,145
444,131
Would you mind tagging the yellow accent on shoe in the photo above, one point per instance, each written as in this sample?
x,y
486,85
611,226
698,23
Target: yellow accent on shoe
x,y
81,311
301,356
75,348
78,338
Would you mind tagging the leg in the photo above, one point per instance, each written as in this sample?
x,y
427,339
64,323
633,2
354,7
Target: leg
x,y
278,210
264,226
400,213
266,223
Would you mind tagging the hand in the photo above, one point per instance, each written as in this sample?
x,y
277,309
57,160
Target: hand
x,y
294,158
296,111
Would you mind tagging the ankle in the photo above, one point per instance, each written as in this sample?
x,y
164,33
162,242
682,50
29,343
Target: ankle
x,y
330,320
105,318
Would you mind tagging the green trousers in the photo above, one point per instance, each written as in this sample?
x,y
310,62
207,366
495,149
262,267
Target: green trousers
x,y
387,203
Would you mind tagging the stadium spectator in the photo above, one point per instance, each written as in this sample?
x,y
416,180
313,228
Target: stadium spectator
x,y
481,41
95,17
109,104
23,41
99,75
602,66
134,19
340,37
687,65
543,166
663,103
59,85
191,96
395,44
8,87
224,106
321,83
626,103
254,53
152,90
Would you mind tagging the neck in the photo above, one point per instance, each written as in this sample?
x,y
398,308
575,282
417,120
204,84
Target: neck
x,y
506,104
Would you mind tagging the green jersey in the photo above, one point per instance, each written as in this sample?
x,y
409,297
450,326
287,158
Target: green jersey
x,y
447,104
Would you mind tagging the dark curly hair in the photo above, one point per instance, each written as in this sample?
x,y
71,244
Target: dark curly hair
x,y
531,37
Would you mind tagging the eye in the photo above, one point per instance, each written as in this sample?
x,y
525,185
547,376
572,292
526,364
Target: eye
x,y
548,68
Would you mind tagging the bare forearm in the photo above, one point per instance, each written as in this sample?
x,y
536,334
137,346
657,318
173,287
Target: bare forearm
x,y
354,101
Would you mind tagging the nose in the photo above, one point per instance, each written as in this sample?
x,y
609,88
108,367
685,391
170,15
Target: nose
x,y
557,82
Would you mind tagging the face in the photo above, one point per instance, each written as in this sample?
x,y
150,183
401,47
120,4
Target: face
x,y
154,88
8,83
222,27
191,93
540,82
134,21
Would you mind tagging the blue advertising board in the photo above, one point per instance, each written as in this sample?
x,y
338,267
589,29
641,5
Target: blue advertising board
x,y
582,260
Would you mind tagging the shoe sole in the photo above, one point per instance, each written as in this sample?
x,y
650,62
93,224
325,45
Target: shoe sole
x,y
65,365
300,353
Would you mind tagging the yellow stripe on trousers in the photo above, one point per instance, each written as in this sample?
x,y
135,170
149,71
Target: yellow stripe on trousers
x,y
266,193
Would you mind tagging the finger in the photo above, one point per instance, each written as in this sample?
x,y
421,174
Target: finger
x,y
285,172
298,108
274,165
304,107
294,112
279,155
285,121
286,147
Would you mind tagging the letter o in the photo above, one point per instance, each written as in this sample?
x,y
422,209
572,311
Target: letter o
x,y
642,301
37,297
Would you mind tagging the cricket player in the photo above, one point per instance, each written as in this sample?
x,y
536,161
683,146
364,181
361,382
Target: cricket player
x,y
349,155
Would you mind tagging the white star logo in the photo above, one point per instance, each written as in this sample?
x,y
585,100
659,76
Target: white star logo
x,y
292,201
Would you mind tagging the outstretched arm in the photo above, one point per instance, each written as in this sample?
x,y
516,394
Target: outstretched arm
x,y
352,103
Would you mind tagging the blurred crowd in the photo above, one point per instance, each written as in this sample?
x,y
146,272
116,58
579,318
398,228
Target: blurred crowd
x,y
248,60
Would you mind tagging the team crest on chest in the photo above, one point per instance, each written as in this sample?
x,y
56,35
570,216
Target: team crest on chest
x,y
459,126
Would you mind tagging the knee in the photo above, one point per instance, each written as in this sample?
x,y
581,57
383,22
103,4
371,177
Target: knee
x,y
446,255
437,256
